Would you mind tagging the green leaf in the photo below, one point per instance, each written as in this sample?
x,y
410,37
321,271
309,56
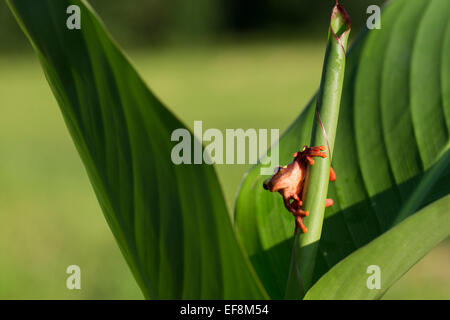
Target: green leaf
x,y
323,134
391,153
169,221
394,253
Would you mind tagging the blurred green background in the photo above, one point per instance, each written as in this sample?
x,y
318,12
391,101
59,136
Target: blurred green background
x,y
230,63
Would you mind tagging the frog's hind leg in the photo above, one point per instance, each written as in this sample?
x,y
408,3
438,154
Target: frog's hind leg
x,y
297,198
299,214
299,224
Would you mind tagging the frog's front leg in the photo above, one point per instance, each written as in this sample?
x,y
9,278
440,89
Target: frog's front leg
x,y
315,152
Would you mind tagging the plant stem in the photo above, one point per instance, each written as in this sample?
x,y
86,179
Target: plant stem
x,y
323,134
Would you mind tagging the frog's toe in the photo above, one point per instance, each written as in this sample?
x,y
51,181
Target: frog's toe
x,y
316,149
299,224
332,174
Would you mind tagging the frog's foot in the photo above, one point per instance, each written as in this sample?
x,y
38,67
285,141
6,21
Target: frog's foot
x,y
310,153
329,203
332,174
299,214
299,224
316,152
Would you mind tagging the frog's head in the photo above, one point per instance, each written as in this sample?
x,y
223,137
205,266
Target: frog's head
x,y
278,180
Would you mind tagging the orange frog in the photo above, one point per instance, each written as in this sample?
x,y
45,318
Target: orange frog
x,y
289,182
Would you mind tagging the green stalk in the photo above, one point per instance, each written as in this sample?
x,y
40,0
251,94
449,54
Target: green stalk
x,y
323,134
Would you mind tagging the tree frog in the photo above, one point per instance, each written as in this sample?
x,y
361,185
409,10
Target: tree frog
x,y
289,182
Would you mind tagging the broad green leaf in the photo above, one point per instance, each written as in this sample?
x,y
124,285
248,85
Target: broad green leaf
x,y
391,153
170,221
392,254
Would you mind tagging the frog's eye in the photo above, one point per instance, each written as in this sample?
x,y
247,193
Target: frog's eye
x,y
276,170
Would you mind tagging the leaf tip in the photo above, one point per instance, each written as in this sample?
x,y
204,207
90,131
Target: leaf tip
x,y
340,22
